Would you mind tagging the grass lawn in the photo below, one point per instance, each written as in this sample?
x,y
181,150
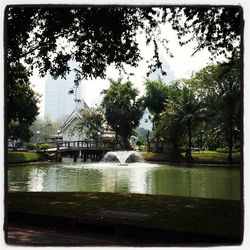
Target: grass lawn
x,y
206,156
150,156
20,157
182,214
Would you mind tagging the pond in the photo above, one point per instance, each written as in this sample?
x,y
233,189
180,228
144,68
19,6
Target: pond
x,y
146,178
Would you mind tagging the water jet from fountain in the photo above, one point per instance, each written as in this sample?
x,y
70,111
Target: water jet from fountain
x,y
122,156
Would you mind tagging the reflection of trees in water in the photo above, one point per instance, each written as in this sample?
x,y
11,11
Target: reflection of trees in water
x,y
195,182
220,183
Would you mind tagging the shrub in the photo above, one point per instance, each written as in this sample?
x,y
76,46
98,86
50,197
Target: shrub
x,y
237,146
44,146
224,150
30,146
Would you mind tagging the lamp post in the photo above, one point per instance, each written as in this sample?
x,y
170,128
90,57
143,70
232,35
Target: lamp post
x,y
57,144
98,139
38,134
58,133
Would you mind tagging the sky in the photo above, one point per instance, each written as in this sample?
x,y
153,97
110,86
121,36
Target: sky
x,y
182,65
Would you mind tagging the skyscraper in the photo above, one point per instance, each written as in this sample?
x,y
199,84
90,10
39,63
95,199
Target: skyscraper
x,y
58,102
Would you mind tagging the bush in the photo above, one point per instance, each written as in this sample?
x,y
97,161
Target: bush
x,y
237,146
182,149
142,148
224,150
44,146
30,146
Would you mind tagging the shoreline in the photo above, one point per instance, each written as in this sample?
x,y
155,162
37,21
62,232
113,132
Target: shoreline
x,y
30,163
194,164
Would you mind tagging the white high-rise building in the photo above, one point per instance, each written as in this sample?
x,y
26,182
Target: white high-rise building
x,y
58,102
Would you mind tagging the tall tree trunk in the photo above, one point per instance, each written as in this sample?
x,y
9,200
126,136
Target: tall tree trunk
x,y
230,143
189,153
156,118
125,142
148,142
175,154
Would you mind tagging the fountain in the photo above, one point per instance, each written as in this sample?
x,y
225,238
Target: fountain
x,y
122,156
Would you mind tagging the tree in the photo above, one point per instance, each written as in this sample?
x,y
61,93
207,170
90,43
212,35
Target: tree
x,y
123,110
221,85
91,124
21,103
183,114
47,37
142,134
216,28
155,100
18,132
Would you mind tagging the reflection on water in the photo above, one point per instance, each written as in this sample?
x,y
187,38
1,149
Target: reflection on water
x,y
207,182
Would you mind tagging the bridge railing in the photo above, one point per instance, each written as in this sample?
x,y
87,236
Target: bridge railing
x,y
88,144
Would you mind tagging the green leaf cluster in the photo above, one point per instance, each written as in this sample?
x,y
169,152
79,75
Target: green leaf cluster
x,y
123,109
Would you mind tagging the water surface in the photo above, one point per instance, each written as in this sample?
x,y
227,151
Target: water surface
x,y
206,182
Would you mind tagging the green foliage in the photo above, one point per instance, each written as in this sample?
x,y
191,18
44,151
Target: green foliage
x,y
19,131
101,36
142,133
217,29
31,146
21,103
96,37
44,146
220,86
237,146
208,105
91,124
123,110
184,112
155,98
222,150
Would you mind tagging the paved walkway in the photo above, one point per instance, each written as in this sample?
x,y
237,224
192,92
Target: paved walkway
x,y
41,236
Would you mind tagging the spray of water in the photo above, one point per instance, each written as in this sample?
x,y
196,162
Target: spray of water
x,y
122,156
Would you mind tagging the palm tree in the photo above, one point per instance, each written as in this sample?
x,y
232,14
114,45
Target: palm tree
x,y
188,111
222,85
155,100
225,106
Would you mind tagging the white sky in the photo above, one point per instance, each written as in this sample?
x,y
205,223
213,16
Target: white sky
x,y
182,65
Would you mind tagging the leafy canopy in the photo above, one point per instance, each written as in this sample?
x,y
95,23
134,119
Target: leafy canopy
x,y
123,110
221,85
91,124
47,38
21,103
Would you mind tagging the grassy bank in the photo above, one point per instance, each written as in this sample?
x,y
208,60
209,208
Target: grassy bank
x,y
209,157
214,157
196,215
22,157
